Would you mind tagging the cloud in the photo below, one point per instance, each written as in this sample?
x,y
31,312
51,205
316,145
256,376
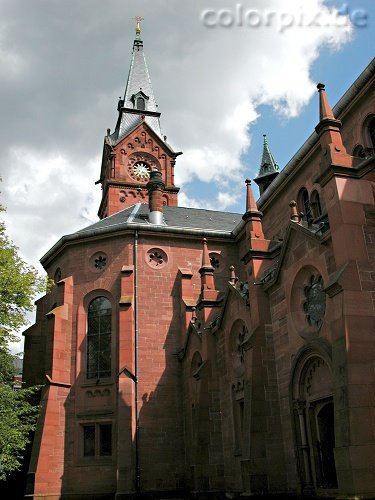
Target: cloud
x,y
67,64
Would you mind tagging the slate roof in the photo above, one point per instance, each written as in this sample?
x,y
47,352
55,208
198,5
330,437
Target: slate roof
x,y
174,217
177,220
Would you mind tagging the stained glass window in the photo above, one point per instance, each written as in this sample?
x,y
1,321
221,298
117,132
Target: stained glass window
x,y
99,332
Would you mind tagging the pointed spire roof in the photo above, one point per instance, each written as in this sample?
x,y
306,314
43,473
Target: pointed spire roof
x,y
268,165
269,169
138,85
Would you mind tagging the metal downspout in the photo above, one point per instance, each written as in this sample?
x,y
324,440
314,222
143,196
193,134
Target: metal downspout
x,y
136,332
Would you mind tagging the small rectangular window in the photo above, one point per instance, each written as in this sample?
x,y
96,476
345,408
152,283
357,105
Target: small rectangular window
x,y
89,440
97,440
105,440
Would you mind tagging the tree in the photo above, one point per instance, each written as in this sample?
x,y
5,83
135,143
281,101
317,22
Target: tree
x,y
19,284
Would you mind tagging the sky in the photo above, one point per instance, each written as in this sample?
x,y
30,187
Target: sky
x,y
223,73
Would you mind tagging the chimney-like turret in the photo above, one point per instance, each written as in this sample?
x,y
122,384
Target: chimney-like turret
x,y
155,187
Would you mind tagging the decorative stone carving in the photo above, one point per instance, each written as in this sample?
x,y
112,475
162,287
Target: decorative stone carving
x,y
216,261
315,303
239,337
98,261
156,258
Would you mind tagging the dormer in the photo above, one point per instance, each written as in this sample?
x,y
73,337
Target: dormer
x,y
139,101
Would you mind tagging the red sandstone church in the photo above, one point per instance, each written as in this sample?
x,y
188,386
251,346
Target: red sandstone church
x,y
188,350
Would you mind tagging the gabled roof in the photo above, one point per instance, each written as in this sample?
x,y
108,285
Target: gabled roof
x,y
317,233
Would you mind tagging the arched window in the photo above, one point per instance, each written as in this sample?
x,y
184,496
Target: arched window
x,y
140,104
99,332
316,207
304,204
371,131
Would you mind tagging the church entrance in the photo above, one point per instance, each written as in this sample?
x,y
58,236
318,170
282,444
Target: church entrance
x,y
314,422
326,443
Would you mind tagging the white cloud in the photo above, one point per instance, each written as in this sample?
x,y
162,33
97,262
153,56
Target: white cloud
x,y
209,83
46,197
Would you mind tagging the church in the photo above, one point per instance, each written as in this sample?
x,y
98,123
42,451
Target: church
x,y
195,352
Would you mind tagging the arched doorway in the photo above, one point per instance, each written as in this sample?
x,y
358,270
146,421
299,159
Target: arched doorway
x,y
313,410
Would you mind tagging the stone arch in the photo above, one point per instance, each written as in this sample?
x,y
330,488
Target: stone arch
x,y
369,132
311,390
316,204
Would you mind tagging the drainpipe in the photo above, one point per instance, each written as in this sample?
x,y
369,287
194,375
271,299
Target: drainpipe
x,y
136,332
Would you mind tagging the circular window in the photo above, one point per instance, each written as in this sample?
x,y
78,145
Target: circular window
x,y
156,258
98,261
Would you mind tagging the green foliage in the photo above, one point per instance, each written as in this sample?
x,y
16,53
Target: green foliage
x,y
19,284
17,420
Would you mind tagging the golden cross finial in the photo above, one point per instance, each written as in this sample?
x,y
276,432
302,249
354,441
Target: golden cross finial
x,y
138,20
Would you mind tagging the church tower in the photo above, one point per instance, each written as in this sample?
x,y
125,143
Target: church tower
x,y
137,145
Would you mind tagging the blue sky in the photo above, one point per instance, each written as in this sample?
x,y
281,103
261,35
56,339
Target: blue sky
x,y
337,69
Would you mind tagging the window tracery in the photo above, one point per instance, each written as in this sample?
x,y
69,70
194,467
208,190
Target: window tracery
x,y
99,333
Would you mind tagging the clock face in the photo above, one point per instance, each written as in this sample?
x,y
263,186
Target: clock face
x,y
140,171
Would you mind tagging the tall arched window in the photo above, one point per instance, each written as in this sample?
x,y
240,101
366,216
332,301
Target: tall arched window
x,y
315,205
304,204
99,332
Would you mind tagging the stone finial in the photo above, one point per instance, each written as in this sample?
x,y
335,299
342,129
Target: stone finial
x,y
329,131
325,110
207,270
294,216
206,262
233,278
251,205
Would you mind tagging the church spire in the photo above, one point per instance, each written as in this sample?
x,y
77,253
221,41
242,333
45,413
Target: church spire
x,y
139,101
269,169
